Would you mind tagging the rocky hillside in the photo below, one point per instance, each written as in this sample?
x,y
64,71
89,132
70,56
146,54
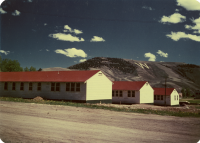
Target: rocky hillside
x,y
180,75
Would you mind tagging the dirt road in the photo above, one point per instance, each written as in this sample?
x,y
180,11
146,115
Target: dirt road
x,y
26,122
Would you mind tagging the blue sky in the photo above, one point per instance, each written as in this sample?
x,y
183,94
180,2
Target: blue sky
x,y
61,33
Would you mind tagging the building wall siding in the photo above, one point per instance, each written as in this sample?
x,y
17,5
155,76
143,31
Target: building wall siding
x,y
125,99
98,87
173,101
146,94
45,91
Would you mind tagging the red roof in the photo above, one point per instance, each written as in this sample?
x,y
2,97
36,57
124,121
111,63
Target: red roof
x,y
47,76
161,91
128,85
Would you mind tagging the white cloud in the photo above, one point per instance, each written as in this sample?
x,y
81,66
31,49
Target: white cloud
x,y
196,26
178,35
97,39
47,50
82,60
73,52
162,54
2,11
146,7
69,29
198,31
177,10
16,13
4,52
66,37
151,56
174,18
189,4
30,0
45,24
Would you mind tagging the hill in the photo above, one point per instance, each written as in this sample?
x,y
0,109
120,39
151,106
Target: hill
x,y
180,75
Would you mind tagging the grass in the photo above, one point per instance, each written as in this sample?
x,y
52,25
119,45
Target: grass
x,y
165,112
191,100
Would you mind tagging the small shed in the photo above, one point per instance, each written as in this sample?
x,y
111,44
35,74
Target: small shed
x,y
81,86
132,92
171,98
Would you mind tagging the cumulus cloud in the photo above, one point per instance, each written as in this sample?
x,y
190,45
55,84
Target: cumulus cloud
x,y
177,10
97,39
174,18
69,29
146,7
189,4
47,50
45,24
2,11
162,54
82,60
16,13
73,52
151,56
4,52
196,26
178,35
66,37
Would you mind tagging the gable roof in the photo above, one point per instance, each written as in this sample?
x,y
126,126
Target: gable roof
x,y
161,91
128,85
47,76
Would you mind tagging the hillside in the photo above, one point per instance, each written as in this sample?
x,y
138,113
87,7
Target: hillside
x,y
180,75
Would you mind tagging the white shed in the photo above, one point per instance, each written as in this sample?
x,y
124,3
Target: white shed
x,y
80,86
171,98
132,92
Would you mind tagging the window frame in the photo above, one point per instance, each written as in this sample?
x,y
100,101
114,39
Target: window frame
x,y
30,86
133,93
66,87
116,93
21,86
120,93
5,85
57,86
113,93
158,97
155,97
39,86
76,87
13,86
161,98
129,93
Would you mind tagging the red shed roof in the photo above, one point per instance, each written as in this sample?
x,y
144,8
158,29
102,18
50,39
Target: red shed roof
x,y
47,76
128,85
161,91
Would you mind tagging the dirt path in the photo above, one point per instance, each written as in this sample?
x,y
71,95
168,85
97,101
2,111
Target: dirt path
x,y
26,122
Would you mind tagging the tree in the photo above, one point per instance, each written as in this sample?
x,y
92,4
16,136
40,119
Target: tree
x,y
32,69
26,69
188,92
40,69
183,91
8,65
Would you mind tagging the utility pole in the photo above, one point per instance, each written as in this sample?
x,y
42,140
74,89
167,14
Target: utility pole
x,y
165,90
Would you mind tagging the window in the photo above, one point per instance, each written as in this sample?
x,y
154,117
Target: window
x,y
177,97
57,86
154,97
68,86
5,86
113,93
72,86
161,97
116,93
39,86
21,86
129,93
158,97
120,93
30,86
13,86
100,74
77,86
133,93
174,97
53,86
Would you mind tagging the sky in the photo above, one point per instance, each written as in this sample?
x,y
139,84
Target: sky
x,y
61,33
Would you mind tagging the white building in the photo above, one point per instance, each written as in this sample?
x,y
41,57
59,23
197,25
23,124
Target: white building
x,y
171,98
132,92
81,86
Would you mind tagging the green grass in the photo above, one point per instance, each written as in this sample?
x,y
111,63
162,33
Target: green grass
x,y
94,106
191,100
